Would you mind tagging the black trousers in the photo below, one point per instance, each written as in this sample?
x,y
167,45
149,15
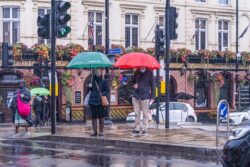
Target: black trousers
x,y
38,118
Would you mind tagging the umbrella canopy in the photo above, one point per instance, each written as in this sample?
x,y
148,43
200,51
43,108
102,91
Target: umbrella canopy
x,y
137,60
90,60
184,96
40,91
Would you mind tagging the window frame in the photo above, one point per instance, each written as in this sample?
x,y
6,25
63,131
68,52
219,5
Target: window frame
x,y
200,1
222,31
131,26
198,31
206,91
41,40
10,20
223,4
95,24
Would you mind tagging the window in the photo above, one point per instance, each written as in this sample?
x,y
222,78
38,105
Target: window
x,y
95,28
201,91
223,36
78,99
201,0
161,21
11,24
201,34
225,90
42,12
131,30
224,2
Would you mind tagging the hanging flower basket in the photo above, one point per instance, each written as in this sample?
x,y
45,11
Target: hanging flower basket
x,y
134,49
60,52
230,55
72,50
151,51
218,78
205,54
182,54
245,57
18,51
41,50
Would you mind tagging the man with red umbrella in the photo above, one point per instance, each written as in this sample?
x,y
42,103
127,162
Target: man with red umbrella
x,y
144,86
144,93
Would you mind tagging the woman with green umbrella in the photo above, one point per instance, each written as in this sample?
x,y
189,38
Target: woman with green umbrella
x,y
98,87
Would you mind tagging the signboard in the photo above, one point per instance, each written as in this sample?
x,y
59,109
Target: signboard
x,y
115,51
245,95
78,97
223,109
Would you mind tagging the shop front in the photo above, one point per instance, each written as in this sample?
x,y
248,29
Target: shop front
x,y
8,86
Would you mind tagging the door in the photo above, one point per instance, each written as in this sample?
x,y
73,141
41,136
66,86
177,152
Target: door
x,y
176,114
5,96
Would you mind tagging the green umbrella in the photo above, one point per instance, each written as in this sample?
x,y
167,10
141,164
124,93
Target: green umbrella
x,y
40,91
90,60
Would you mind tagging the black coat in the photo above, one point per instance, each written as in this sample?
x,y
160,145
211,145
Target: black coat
x,y
38,104
146,85
95,97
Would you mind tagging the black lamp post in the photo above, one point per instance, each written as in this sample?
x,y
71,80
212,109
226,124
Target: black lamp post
x,y
167,76
237,54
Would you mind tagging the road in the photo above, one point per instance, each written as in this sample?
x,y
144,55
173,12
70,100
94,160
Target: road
x,y
27,153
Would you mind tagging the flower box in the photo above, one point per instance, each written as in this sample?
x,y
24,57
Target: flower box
x,y
194,59
29,56
218,60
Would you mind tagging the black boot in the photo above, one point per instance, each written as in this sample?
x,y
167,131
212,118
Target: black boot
x,y
101,126
94,126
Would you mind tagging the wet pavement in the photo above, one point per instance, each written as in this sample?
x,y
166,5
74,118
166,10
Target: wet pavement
x,y
27,153
186,144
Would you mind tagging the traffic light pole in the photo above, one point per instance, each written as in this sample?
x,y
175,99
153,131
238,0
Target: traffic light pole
x,y
167,77
53,69
157,54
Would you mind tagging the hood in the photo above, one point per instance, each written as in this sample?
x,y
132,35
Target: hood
x,y
39,98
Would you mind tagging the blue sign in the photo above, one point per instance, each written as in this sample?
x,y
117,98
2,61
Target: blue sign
x,y
115,51
223,109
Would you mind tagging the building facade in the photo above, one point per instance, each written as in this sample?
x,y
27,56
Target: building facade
x,y
202,25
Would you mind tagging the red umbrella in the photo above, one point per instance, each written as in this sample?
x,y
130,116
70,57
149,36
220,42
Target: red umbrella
x,y
137,60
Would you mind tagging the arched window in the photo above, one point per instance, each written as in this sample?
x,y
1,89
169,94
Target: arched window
x,y
226,91
201,91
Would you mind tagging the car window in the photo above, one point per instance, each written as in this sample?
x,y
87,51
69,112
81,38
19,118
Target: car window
x,y
179,106
171,106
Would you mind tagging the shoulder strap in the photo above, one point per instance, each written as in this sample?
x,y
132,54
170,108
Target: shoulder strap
x,y
97,86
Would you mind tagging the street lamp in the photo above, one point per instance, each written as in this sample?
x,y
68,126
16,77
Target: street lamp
x,y
237,54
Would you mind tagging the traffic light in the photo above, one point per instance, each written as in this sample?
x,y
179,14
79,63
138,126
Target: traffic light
x,y
43,23
7,55
159,41
173,23
62,18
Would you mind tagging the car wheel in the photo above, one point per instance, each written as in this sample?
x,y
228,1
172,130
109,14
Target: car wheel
x,y
190,119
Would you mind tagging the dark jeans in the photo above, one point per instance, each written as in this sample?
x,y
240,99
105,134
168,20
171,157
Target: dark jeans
x,y
38,118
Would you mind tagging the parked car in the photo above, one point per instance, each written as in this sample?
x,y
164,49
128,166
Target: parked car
x,y
178,112
238,116
236,151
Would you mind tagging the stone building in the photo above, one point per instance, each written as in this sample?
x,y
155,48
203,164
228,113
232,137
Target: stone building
x,y
203,25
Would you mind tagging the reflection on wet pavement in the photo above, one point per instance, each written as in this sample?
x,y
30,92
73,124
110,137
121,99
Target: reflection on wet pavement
x,y
26,153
